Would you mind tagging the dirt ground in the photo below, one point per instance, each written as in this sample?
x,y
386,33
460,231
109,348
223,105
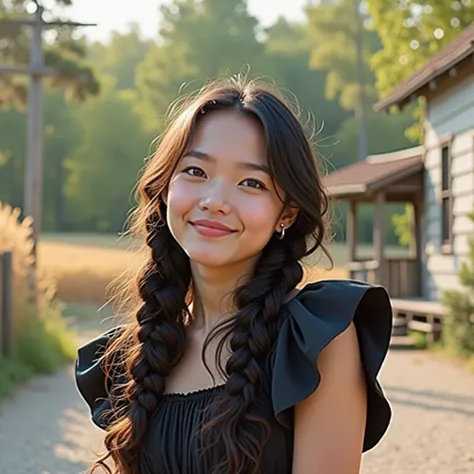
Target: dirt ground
x,y
45,427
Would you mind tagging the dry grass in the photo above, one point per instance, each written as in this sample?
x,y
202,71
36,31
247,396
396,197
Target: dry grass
x,y
15,237
84,270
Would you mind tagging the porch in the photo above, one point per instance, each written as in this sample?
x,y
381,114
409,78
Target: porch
x,y
380,180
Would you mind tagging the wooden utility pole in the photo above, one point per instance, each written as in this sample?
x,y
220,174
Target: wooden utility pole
x,y
36,71
32,203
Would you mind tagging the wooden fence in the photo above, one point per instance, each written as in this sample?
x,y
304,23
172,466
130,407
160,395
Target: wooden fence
x,y
6,304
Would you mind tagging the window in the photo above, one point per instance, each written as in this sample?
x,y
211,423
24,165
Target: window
x,y
446,199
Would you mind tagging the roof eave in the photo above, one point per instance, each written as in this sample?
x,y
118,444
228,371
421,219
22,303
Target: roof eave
x,y
401,99
346,191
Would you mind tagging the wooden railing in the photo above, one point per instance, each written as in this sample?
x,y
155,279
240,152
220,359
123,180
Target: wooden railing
x,y
6,304
401,277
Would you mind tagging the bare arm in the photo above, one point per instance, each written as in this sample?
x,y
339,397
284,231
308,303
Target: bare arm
x,y
330,423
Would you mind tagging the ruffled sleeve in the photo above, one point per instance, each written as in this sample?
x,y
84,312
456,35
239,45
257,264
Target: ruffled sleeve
x,y
320,312
93,384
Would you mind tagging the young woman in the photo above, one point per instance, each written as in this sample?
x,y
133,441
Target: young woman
x,y
226,367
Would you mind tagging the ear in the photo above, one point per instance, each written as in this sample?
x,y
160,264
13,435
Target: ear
x,y
287,217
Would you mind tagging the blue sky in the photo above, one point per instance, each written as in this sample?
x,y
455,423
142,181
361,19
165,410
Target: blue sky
x,y
115,15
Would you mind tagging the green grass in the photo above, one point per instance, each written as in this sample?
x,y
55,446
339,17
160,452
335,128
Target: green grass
x,y
12,373
44,344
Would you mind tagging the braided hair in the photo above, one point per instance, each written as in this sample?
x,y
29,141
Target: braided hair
x,y
154,343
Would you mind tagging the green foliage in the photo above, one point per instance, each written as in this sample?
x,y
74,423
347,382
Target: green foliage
x,y
411,32
458,325
200,40
120,56
420,339
287,62
403,227
43,345
334,30
45,342
62,52
385,134
12,373
103,168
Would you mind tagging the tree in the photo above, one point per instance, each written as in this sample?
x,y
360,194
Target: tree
x,y
287,62
63,52
62,135
342,46
120,56
103,168
385,134
199,40
12,151
411,32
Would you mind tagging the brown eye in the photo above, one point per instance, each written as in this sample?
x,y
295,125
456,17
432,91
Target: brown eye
x,y
254,183
195,171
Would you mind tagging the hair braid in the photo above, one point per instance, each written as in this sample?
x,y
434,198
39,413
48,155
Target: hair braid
x,y
252,334
159,342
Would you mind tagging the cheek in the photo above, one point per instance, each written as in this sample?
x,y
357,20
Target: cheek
x,y
259,215
181,199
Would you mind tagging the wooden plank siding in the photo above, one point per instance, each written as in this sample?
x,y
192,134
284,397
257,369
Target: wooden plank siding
x,y
449,119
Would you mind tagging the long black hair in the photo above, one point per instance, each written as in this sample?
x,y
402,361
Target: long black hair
x,y
155,341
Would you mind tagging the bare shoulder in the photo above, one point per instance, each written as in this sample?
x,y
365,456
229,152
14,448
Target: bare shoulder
x,y
330,423
342,353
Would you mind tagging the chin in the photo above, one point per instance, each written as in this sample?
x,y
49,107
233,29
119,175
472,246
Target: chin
x,y
208,259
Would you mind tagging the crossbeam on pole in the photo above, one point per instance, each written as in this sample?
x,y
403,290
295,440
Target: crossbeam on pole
x,y
45,24
29,71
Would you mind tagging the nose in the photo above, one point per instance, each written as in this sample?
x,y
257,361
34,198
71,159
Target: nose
x,y
214,199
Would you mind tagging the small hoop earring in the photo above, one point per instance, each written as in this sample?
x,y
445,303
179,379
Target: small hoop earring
x,y
281,235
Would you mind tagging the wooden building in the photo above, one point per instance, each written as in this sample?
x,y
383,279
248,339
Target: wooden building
x,y
437,178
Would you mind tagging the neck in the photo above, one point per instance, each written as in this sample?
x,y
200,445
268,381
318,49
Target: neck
x,y
213,292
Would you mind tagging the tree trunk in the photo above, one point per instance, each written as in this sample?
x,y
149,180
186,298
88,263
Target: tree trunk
x,y
360,111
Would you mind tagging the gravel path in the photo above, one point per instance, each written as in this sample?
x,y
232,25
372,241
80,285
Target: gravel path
x,y
45,428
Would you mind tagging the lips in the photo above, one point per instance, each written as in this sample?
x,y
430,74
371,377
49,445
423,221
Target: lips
x,y
210,228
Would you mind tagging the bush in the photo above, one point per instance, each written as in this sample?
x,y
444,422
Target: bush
x,y
458,325
45,343
12,372
43,340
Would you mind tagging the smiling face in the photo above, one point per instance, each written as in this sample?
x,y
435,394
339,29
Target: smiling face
x,y
222,206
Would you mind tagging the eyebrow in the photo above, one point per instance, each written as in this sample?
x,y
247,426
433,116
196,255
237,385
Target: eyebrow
x,y
200,155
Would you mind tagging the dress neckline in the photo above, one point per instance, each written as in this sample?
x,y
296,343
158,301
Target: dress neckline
x,y
194,394
208,392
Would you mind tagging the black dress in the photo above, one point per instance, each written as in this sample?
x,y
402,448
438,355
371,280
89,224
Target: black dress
x,y
318,313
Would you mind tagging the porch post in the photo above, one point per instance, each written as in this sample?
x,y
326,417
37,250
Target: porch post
x,y
413,230
417,239
351,226
379,236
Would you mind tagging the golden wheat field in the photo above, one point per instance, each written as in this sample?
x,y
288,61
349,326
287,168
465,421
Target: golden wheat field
x,y
84,265
83,271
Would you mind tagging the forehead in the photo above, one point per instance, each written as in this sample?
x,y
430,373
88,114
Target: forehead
x,y
229,134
